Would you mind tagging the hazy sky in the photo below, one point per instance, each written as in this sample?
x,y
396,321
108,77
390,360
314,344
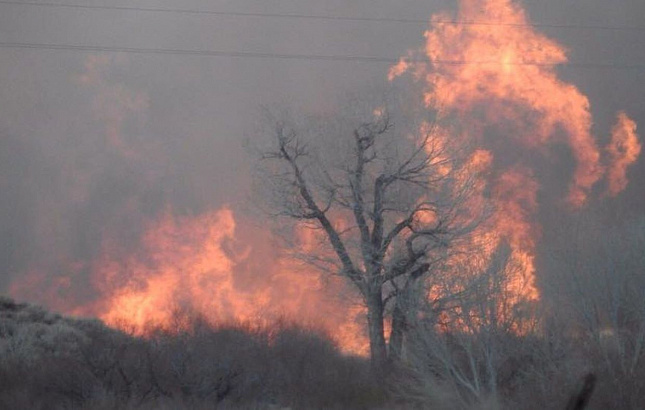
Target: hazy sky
x,y
92,144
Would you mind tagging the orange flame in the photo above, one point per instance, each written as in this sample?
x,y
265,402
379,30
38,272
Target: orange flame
x,y
623,151
507,69
515,197
496,74
192,263
497,77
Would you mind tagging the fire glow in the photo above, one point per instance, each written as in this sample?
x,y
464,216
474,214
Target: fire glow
x,y
190,264
495,77
492,83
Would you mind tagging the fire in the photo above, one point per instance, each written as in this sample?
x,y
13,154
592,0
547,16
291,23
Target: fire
x,y
177,255
495,86
496,78
508,71
194,264
623,151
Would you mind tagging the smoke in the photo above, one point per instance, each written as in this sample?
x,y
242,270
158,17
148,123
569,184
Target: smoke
x,y
106,158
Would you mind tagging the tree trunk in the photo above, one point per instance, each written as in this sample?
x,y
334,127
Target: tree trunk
x,y
378,352
397,333
400,314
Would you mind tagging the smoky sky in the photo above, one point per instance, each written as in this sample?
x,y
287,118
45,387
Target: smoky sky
x,y
95,144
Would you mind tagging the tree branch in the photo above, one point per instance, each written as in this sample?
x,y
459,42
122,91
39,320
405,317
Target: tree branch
x,y
314,210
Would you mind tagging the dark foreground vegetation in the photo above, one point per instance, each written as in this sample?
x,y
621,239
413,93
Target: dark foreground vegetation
x,y
48,361
53,362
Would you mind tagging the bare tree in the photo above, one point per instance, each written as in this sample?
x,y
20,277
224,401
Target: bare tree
x,y
387,207
599,291
470,342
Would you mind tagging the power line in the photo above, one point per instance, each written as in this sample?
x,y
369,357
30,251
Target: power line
x,y
286,56
209,53
318,17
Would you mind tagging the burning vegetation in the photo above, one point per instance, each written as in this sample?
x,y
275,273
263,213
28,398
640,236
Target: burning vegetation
x,y
190,265
410,233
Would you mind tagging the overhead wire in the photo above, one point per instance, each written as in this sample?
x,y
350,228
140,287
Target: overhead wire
x,y
289,56
315,17
272,55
